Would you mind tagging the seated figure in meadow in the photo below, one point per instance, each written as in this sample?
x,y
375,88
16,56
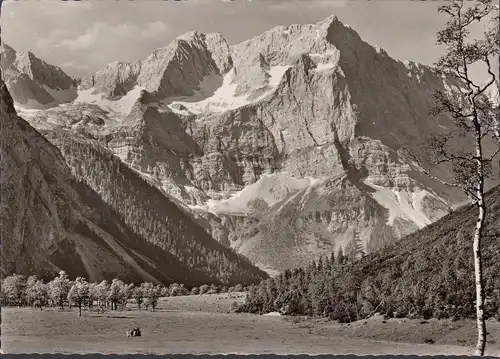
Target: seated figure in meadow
x,y
136,332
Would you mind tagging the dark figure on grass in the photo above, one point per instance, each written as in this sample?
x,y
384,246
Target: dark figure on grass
x,y
136,332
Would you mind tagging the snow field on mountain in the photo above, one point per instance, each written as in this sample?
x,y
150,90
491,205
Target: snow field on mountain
x,y
209,98
402,204
123,105
271,188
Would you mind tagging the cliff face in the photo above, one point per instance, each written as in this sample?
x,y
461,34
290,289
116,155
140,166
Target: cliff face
x,y
283,147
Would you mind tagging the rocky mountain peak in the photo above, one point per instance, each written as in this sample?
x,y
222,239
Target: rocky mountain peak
x,y
171,71
191,36
32,82
114,80
40,71
178,69
283,43
7,56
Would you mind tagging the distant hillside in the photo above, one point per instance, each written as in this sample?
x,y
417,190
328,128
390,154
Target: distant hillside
x,y
429,273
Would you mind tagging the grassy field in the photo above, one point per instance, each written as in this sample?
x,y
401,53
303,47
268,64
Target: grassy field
x,y
207,324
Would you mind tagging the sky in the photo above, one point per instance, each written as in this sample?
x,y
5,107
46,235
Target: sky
x,y
82,37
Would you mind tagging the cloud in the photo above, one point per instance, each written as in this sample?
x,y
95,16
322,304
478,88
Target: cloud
x,y
155,29
57,8
86,40
101,32
80,50
75,65
293,5
53,37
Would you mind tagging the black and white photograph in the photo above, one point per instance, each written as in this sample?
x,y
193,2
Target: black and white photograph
x,y
250,177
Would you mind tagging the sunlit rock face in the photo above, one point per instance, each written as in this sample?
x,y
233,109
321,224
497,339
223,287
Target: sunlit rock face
x,y
283,147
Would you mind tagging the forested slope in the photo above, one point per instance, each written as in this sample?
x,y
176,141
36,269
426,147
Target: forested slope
x,y
150,214
429,273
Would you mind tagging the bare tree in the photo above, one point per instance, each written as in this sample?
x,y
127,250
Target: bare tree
x,y
475,117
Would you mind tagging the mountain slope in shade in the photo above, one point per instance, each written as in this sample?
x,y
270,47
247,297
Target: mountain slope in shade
x,y
439,259
52,221
272,144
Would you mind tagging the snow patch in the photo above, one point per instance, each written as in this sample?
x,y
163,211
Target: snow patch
x,y
323,55
123,105
402,204
276,73
59,96
223,98
29,107
327,55
322,67
206,99
270,188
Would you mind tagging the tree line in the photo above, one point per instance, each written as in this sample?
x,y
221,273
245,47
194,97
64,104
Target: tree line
x,y
22,291
429,274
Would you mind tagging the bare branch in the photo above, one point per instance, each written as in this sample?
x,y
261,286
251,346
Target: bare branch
x,y
426,172
450,184
494,155
491,81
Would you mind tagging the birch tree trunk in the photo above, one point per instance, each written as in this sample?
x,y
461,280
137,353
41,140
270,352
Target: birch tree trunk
x,y
478,268
478,235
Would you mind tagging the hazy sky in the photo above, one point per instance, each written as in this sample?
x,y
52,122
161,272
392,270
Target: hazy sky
x,y
82,37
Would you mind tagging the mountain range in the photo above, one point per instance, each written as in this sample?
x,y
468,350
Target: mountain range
x,y
52,220
280,148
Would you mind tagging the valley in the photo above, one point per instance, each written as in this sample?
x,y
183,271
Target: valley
x,y
284,189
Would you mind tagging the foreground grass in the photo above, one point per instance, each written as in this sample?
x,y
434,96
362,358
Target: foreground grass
x,y
202,324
